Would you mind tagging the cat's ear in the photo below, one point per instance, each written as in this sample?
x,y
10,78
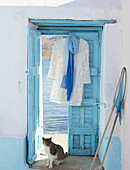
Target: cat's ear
x,y
43,138
50,138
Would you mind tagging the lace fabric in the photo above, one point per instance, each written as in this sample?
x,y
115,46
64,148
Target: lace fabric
x,y
81,73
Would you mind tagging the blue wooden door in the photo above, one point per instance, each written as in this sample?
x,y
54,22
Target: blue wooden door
x,y
34,97
83,120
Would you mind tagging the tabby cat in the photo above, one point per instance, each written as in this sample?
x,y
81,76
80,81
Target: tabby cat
x,y
54,152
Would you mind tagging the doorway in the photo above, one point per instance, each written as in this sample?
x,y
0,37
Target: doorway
x,y
55,116
83,121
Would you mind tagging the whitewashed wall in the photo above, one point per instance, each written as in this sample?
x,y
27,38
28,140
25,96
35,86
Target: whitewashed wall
x,y
125,129
70,3
13,55
110,72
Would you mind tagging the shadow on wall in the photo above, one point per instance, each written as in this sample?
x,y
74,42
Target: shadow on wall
x,y
94,4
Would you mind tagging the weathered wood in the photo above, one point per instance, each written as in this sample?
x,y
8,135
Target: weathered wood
x,y
62,22
33,95
83,125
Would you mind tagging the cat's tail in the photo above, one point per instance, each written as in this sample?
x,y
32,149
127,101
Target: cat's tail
x,y
66,154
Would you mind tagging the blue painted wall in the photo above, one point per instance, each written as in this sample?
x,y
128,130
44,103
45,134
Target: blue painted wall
x,y
113,157
13,154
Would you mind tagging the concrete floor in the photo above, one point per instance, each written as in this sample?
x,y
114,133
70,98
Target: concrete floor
x,y
70,163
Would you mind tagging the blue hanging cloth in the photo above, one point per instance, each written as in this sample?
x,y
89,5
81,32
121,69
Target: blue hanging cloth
x,y
67,81
118,103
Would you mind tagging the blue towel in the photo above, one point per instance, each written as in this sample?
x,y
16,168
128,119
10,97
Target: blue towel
x,y
118,103
67,81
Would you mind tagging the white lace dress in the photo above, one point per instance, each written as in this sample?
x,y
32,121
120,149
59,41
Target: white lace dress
x,y
81,73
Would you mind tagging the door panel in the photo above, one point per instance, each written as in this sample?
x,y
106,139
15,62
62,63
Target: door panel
x,y
34,90
83,120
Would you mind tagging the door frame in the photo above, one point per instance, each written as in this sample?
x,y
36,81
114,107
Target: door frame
x,y
63,27
34,97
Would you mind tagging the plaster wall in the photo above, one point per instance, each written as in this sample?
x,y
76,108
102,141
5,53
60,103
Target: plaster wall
x,y
70,3
13,54
125,134
110,72
14,156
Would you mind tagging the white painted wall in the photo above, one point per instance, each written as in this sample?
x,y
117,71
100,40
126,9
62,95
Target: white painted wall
x,y
13,55
70,3
110,72
125,134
